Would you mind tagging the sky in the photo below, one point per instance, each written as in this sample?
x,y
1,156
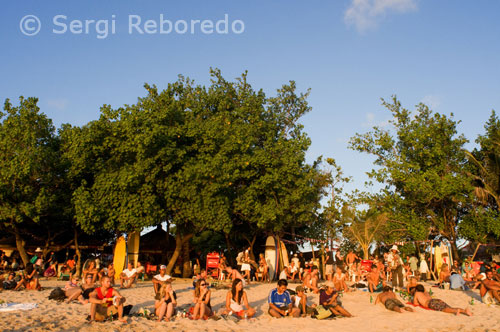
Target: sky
x,y
350,53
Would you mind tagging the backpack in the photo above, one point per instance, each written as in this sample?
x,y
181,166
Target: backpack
x,y
321,312
57,294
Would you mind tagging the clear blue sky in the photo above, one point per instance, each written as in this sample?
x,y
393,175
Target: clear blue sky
x,y
349,52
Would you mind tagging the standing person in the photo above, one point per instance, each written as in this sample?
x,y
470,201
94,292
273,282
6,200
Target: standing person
x,y
106,301
413,265
329,264
390,301
237,301
396,265
166,302
302,266
328,298
424,268
423,298
350,259
202,307
280,302
245,265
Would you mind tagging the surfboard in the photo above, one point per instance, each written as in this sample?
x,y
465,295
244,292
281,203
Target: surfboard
x,y
271,255
437,259
284,255
119,257
133,247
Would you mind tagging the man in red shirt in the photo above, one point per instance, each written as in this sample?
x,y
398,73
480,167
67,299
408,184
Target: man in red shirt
x,y
106,301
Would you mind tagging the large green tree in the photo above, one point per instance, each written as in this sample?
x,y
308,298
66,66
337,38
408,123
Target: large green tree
x,y
33,199
422,164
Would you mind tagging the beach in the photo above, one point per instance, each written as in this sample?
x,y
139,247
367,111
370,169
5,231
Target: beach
x,y
50,315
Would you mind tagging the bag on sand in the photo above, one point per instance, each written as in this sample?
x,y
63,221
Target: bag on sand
x,y
57,294
321,312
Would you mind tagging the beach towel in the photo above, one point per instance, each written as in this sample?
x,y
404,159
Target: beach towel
x,y
5,307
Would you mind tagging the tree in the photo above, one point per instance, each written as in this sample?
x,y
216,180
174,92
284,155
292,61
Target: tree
x,y
422,166
32,204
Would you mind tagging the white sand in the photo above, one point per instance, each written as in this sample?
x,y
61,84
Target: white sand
x,y
53,316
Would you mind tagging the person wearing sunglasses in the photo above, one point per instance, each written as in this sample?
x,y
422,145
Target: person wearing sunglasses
x,y
202,307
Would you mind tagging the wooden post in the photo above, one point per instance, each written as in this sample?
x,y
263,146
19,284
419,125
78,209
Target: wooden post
x,y
475,251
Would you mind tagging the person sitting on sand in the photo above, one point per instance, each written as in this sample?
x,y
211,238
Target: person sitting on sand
x,y
201,275
339,280
90,270
30,279
166,302
311,280
285,274
234,274
108,271
263,269
88,287
490,286
299,300
390,301
161,278
106,301
412,283
202,307
423,298
328,298
375,280
280,302
128,276
444,275
73,291
11,282
237,301
293,269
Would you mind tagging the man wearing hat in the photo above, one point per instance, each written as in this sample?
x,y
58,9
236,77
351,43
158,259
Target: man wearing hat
x,y
160,278
396,265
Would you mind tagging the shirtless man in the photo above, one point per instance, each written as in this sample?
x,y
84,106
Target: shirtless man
x,y
350,259
106,301
491,286
234,274
375,280
311,280
390,301
423,298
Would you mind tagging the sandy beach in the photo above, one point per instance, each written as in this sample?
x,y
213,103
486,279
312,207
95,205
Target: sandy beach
x,y
50,315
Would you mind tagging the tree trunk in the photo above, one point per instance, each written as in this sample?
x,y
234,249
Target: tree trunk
x,y
366,251
20,247
186,267
78,254
179,243
454,251
230,250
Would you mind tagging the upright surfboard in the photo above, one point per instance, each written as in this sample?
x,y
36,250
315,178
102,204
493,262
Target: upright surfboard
x,y
133,247
119,257
438,261
271,255
283,255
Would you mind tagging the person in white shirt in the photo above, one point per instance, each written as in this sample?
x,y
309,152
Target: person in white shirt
x,y
161,278
128,276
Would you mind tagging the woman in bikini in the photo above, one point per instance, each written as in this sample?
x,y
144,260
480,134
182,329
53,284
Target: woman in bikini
x,y
165,302
237,301
339,280
264,270
202,307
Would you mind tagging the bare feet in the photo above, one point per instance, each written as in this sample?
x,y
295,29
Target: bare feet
x,y
468,312
122,320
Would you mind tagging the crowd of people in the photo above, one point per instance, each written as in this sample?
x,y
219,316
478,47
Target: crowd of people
x,y
341,275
